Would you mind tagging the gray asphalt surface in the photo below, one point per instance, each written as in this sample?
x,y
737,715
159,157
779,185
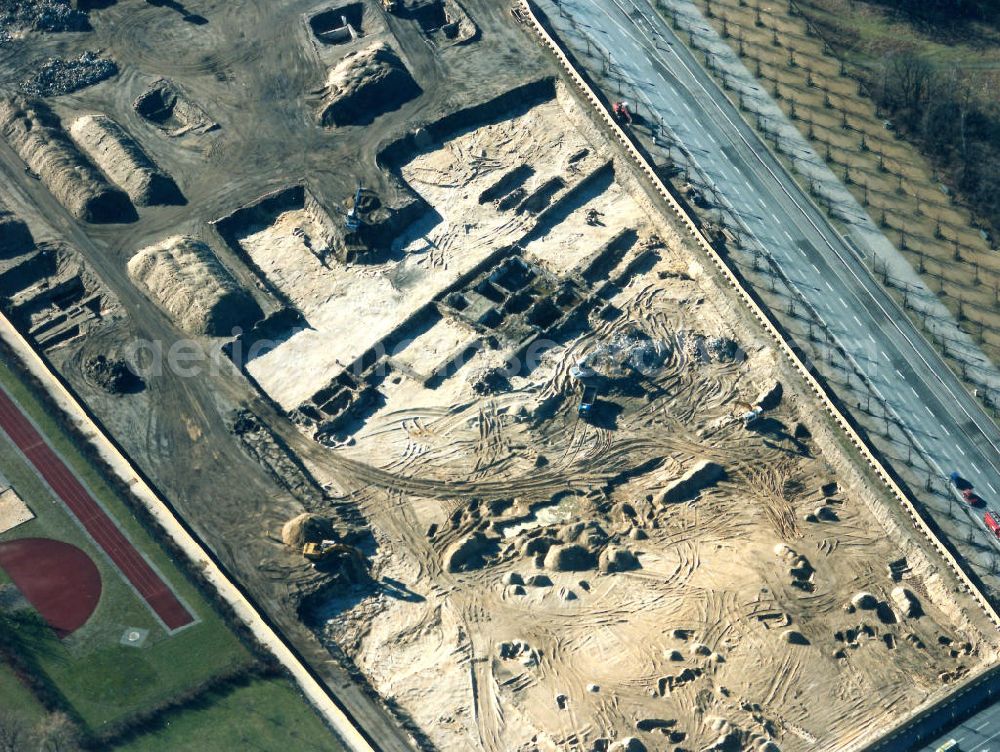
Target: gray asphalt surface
x,y
980,733
903,370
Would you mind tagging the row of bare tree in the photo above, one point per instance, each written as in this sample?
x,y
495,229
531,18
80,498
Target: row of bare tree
x,y
954,116
945,11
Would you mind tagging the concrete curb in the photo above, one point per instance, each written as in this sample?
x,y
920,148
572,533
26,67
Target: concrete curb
x,y
317,694
765,321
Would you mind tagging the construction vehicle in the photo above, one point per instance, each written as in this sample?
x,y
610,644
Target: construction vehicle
x,y
352,219
621,112
751,413
587,401
326,549
992,523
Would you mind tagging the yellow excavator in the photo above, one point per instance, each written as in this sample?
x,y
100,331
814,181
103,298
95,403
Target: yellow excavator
x,y
323,550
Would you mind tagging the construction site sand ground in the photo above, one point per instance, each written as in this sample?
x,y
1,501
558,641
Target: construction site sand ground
x,y
538,581
350,308
736,628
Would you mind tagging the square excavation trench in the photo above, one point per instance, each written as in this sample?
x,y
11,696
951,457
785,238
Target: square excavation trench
x,y
349,308
339,25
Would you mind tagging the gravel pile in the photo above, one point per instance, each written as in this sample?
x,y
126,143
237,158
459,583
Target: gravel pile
x,y
40,15
57,76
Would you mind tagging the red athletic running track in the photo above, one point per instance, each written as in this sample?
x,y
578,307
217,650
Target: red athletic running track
x,y
96,522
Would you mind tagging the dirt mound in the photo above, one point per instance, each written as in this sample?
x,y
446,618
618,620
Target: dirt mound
x,y
689,485
306,527
469,553
571,558
364,85
186,279
35,133
113,376
15,237
907,603
628,744
124,161
617,559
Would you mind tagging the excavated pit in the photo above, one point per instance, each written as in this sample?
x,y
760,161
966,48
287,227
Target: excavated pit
x,y
339,25
164,105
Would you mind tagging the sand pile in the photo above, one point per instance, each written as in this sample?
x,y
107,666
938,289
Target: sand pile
x,y
15,237
689,485
35,133
364,85
124,161
186,280
306,527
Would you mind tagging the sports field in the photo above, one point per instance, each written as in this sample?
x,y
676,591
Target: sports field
x,y
110,644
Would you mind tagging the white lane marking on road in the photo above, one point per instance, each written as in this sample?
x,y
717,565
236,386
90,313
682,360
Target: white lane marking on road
x,y
829,286
960,449
672,51
946,430
898,373
982,725
843,303
929,412
914,391
775,218
975,467
983,746
856,319
871,337
786,234
814,267
991,487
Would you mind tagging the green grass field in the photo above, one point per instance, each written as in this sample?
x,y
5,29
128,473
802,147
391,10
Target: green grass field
x,y
17,699
104,682
268,715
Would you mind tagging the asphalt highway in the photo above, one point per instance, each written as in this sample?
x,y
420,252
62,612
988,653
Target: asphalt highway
x,y
980,733
904,372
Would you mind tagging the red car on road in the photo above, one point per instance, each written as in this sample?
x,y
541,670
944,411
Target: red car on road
x,y
992,523
972,498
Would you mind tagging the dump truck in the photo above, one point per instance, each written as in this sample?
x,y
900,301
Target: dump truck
x,y
587,401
